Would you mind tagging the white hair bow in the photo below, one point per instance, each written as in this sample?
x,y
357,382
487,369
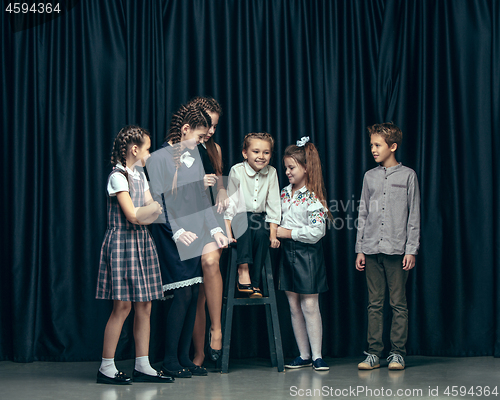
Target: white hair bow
x,y
187,159
302,142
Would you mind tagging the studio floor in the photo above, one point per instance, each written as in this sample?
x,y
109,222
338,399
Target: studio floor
x,y
424,377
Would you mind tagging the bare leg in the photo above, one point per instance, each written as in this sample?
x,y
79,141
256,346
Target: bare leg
x,y
199,328
121,310
213,291
244,274
299,325
142,328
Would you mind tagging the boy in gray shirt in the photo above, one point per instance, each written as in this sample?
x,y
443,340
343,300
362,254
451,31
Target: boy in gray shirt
x,y
387,242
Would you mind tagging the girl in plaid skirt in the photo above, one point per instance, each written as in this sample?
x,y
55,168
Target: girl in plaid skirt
x,y
129,270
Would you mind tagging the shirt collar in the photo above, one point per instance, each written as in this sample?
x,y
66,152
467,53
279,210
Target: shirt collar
x,y
288,189
391,169
132,173
251,172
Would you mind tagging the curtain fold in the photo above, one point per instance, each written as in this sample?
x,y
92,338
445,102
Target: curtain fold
x,y
293,68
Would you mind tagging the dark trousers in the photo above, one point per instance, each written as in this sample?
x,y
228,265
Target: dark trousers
x,y
382,269
252,233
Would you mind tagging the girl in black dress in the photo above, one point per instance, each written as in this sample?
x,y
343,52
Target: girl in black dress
x,y
176,181
212,287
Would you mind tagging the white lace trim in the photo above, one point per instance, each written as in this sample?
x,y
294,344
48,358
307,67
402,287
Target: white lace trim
x,y
215,230
187,282
177,234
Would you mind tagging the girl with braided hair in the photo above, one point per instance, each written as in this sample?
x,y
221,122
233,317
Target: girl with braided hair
x,y
129,270
187,231
211,288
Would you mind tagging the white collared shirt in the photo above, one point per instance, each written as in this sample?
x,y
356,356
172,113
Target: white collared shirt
x,y
118,183
252,191
303,214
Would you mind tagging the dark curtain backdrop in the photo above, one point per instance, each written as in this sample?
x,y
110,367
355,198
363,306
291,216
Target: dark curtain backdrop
x,y
318,68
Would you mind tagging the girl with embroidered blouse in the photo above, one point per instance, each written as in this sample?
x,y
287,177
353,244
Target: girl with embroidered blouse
x,y
302,267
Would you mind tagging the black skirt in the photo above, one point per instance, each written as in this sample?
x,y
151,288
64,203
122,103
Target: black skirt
x,y
302,267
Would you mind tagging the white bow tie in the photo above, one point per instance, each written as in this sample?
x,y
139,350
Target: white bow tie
x,y
187,159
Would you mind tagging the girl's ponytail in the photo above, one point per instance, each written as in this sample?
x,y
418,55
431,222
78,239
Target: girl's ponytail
x,y
315,181
308,157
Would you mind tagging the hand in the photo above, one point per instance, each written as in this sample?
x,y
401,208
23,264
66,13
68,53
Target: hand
x,y
158,209
221,240
284,233
222,201
360,262
408,262
187,238
275,243
209,180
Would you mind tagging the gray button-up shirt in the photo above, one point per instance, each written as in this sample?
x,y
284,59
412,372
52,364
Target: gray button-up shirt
x,y
389,212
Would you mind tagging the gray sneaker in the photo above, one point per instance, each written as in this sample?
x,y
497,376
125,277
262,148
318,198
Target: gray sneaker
x,y
371,362
396,361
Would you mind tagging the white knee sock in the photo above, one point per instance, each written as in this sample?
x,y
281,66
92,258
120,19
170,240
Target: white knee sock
x,y
108,367
142,365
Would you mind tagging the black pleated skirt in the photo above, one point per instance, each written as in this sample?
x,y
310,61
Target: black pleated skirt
x,y
302,267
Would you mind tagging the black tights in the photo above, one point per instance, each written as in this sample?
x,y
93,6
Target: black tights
x,y
180,324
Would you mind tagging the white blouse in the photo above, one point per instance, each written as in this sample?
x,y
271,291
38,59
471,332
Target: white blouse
x,y
118,183
303,214
252,191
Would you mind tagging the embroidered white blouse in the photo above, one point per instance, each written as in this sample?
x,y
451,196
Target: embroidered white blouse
x,y
252,191
303,214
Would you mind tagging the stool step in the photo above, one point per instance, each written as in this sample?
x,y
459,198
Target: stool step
x,y
229,301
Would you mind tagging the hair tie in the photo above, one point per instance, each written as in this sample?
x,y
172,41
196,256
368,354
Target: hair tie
x,y
302,142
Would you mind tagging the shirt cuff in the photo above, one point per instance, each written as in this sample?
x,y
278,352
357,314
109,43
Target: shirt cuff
x,y
412,250
273,221
295,235
215,230
177,234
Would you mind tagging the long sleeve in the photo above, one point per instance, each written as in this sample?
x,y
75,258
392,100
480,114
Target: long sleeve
x,y
273,203
362,215
233,193
316,227
413,225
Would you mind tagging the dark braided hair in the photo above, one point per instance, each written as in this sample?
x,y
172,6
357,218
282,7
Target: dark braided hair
x,y
189,114
127,137
211,105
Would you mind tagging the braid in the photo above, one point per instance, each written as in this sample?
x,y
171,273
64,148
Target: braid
x,y
128,136
207,104
191,115
211,105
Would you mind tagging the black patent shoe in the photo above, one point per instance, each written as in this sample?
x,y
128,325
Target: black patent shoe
x,y
198,371
160,377
213,354
244,288
181,373
119,379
